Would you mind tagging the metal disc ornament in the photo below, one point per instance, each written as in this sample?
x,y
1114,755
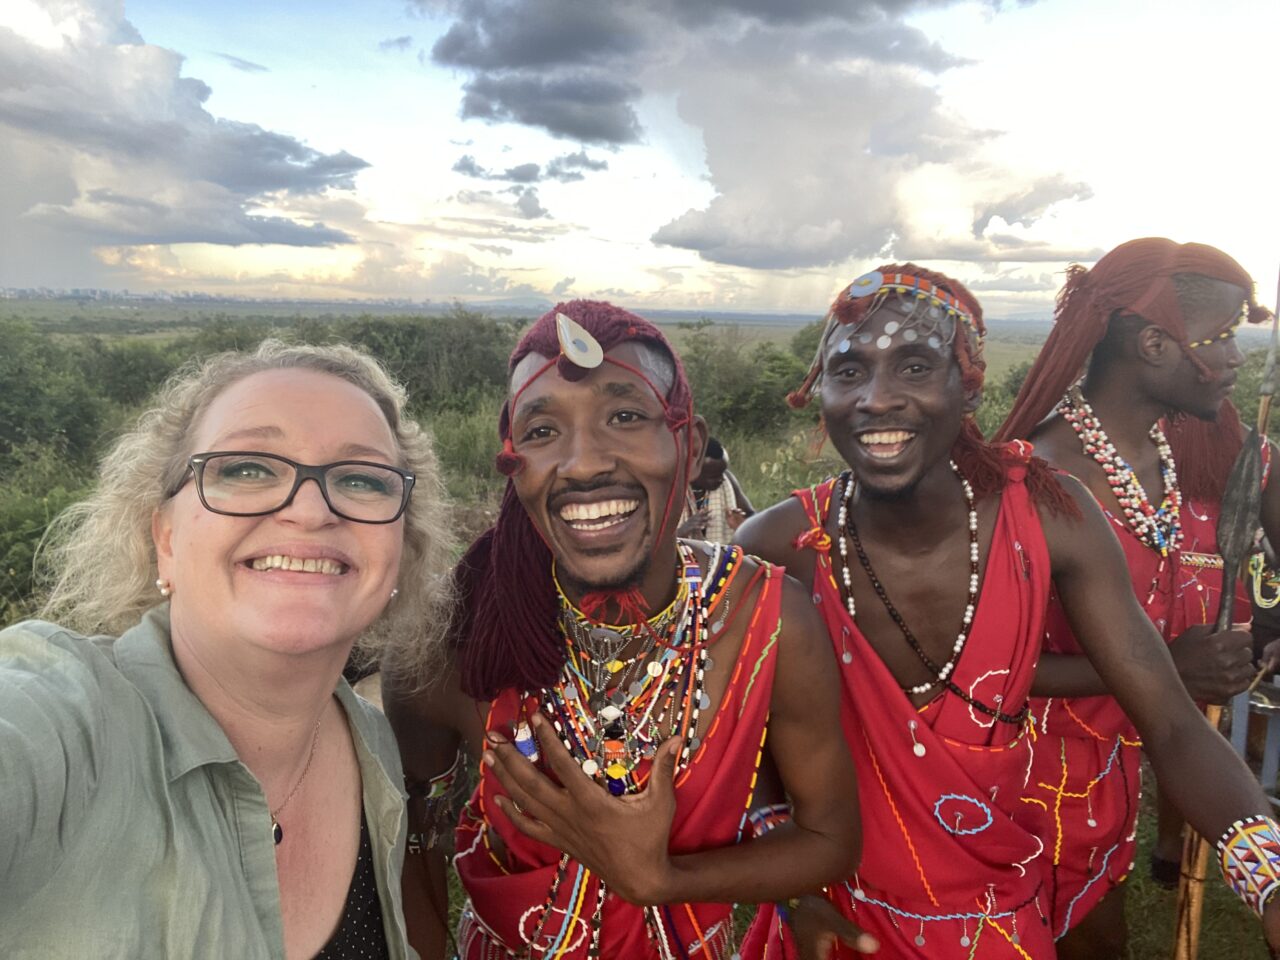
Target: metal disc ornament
x,y
578,346
866,285
606,637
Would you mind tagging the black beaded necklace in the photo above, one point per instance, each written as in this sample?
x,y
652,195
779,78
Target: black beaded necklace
x,y
942,674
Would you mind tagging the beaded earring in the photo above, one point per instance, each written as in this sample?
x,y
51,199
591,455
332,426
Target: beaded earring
x,y
165,587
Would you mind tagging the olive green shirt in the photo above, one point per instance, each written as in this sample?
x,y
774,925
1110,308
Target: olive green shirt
x,y
128,826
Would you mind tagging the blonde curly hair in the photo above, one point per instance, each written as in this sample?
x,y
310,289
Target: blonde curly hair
x,y
97,561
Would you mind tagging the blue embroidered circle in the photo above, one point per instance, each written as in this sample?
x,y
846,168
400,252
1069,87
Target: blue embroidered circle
x,y
954,827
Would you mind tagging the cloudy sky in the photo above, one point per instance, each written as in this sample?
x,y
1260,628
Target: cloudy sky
x,y
717,154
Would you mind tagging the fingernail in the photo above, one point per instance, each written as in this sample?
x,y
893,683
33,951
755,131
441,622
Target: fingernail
x,y
494,737
489,758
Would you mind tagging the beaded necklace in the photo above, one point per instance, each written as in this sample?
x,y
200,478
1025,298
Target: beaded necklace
x,y
596,648
1160,529
611,719
941,674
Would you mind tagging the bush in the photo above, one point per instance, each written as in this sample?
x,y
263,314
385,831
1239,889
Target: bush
x,y
44,399
737,391
42,485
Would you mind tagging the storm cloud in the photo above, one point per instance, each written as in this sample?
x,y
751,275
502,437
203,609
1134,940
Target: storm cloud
x,y
813,114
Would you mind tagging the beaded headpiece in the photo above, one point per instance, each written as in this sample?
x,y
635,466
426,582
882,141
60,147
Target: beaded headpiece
x,y
924,311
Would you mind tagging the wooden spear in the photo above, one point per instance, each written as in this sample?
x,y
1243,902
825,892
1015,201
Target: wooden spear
x,y
1237,524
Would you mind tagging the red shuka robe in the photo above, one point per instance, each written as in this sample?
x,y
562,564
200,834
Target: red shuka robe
x,y
713,797
946,870
1085,777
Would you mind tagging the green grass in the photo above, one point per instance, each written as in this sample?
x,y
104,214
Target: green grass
x,y
1229,932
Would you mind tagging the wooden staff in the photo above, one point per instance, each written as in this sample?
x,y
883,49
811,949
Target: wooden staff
x,y
1237,524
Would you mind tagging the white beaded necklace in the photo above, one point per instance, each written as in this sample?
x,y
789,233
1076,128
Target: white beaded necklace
x,y
1160,529
940,673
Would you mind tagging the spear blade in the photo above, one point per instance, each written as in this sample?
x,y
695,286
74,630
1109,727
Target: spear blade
x,y
1239,519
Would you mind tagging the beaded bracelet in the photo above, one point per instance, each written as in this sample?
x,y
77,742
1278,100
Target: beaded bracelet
x,y
763,819
1249,853
437,811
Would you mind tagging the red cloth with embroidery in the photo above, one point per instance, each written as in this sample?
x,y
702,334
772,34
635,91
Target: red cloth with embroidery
x,y
943,858
713,795
1085,776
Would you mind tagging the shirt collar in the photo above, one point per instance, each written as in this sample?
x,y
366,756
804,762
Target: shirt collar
x,y
188,733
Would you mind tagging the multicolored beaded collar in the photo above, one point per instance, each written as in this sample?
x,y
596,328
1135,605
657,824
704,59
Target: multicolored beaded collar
x,y
1160,528
611,712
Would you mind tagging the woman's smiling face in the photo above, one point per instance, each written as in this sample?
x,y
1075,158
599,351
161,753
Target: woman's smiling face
x,y
299,579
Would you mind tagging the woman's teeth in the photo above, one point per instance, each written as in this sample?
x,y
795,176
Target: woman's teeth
x,y
309,565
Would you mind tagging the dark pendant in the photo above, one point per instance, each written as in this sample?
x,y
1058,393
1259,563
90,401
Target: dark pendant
x,y
277,831
616,787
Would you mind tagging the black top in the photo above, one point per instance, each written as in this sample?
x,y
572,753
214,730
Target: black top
x,y
360,935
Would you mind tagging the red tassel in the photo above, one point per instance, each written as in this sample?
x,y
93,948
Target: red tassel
x,y
508,462
631,604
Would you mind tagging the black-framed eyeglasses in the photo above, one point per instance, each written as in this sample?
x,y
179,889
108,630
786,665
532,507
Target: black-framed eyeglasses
x,y
246,483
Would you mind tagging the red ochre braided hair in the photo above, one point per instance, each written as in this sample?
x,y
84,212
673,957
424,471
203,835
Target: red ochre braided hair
x,y
1140,277
505,629
985,465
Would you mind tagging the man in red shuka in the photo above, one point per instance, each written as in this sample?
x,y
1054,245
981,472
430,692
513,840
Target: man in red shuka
x,y
931,560
1154,323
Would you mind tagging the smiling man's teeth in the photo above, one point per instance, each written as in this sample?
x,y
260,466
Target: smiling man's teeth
x,y
580,514
886,436
885,444
308,565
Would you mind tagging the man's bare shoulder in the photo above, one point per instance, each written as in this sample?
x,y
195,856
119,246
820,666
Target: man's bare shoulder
x,y
772,533
1075,537
1057,444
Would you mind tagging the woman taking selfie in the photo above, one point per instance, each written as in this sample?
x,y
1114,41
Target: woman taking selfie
x,y
198,780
